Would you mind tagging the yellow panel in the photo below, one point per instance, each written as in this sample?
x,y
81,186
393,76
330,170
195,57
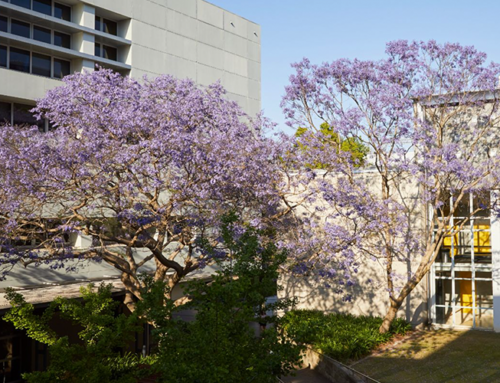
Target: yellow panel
x,y
465,291
481,241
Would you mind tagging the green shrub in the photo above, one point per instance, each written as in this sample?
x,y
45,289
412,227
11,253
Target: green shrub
x,y
341,336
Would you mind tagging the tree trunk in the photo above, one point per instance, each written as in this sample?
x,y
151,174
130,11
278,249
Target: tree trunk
x,y
389,317
129,301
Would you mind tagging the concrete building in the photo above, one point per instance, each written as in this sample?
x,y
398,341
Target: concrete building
x,y
41,41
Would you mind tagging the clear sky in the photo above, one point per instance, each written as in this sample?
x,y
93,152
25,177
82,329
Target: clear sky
x,y
326,30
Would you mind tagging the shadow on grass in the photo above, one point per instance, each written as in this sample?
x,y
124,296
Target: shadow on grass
x,y
437,357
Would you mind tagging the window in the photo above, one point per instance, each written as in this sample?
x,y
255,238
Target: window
x,y
34,63
10,354
22,3
61,68
3,24
42,34
110,27
40,64
5,113
19,114
98,26
62,40
22,115
20,28
106,26
462,274
106,52
109,53
19,60
43,6
3,56
62,11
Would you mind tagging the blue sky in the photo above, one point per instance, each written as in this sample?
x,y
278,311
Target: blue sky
x,y
326,30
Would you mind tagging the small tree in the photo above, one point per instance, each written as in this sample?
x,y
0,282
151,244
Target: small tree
x,y
428,114
333,141
219,345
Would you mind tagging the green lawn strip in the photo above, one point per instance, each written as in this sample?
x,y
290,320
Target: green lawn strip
x,y
343,337
437,356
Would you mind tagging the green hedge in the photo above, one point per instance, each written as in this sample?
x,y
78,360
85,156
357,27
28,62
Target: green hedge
x,y
341,336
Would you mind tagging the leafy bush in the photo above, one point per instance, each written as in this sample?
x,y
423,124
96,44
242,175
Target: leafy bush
x,y
96,358
220,346
340,336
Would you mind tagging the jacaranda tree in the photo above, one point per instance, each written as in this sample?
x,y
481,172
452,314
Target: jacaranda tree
x,y
143,170
429,115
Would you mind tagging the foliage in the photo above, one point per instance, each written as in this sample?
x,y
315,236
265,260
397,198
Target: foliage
x,y
97,357
428,113
134,167
341,336
332,141
220,345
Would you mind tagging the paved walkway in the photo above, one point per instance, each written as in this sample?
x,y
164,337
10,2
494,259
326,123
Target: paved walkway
x,y
306,376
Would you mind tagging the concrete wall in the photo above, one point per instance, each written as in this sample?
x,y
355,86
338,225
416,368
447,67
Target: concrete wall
x,y
369,293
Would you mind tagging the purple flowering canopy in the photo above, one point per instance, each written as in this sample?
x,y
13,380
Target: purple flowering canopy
x,y
143,170
429,115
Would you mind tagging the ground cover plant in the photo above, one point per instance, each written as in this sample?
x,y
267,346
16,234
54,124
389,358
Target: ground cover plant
x,y
343,337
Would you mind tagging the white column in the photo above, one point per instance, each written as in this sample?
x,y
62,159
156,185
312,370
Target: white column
x,y
84,15
83,241
495,261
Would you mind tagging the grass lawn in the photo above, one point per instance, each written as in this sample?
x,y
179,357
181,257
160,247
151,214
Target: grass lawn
x,y
435,357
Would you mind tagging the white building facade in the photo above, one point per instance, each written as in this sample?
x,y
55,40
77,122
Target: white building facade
x,y
41,41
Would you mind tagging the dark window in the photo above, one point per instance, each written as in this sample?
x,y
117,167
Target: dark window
x,y
61,68
23,116
97,50
109,27
41,34
43,6
3,24
62,11
40,64
5,111
19,60
3,56
22,3
20,28
98,23
62,40
109,53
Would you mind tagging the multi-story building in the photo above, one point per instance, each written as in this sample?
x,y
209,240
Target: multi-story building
x,y
41,41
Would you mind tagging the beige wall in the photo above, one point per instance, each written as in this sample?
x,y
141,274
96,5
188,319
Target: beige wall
x,y
369,294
